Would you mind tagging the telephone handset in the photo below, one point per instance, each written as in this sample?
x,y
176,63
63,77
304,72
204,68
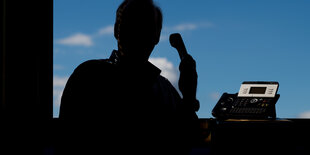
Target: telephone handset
x,y
176,41
188,75
255,100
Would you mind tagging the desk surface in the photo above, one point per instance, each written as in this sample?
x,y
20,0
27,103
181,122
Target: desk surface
x,y
242,136
206,122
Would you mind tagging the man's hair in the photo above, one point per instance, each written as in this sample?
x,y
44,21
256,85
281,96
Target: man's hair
x,y
139,20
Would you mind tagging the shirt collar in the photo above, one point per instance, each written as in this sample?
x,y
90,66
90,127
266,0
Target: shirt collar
x,y
147,68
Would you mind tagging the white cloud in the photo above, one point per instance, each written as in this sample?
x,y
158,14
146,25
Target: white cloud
x,y
77,39
80,39
57,93
58,86
59,81
305,114
167,69
106,30
185,27
188,26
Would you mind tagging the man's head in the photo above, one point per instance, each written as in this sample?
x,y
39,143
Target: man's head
x,y
137,28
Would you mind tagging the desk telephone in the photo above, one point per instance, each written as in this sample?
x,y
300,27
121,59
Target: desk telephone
x,y
255,100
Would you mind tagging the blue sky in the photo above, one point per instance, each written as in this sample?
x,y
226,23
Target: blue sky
x,y
232,42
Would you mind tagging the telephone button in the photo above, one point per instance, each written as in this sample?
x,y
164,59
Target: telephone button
x,y
235,104
230,99
254,100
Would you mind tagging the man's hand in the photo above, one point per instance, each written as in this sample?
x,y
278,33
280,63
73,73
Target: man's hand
x,y
188,80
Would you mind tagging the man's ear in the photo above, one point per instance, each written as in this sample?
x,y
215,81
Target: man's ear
x,y
157,36
116,33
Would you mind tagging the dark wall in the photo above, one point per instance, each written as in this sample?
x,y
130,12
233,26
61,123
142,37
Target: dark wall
x,y
27,60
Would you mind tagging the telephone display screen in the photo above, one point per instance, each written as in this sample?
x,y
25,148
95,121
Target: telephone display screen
x,y
257,90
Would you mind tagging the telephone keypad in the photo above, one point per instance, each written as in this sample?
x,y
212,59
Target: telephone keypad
x,y
249,106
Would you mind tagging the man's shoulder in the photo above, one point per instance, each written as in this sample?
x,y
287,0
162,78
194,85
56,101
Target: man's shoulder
x,y
93,64
165,82
91,68
163,79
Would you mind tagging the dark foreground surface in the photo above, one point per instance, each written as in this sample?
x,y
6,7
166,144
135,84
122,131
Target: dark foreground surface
x,y
283,136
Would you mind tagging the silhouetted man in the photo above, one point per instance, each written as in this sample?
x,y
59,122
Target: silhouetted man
x,y
122,104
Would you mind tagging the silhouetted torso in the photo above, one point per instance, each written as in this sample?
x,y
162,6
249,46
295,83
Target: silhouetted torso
x,y
117,106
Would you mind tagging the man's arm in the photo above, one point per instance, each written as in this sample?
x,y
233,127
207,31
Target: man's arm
x,y
188,82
